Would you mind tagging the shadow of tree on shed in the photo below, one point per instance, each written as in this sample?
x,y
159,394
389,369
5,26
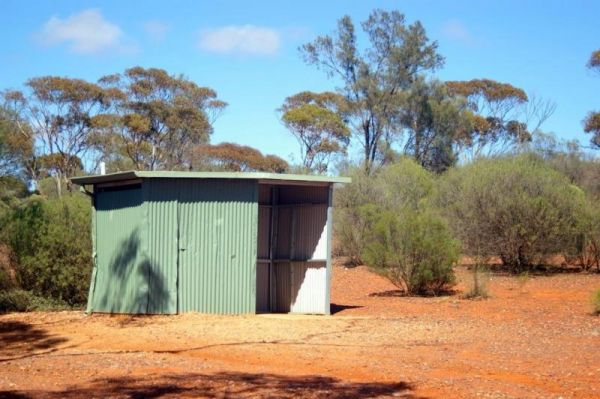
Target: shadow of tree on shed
x,y
132,283
226,384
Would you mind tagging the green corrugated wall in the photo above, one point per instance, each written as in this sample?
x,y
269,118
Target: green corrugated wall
x,y
121,284
176,245
218,230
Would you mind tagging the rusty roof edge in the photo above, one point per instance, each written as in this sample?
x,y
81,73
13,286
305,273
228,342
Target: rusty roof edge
x,y
119,176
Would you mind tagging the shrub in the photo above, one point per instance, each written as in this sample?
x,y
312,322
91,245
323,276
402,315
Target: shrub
x,y
517,208
588,239
596,302
414,250
349,226
51,242
18,300
404,184
479,288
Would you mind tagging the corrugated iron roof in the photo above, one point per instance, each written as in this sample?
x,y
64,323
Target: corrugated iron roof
x,y
273,177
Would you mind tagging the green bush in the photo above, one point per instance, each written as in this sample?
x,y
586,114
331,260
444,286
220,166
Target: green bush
x,y
404,184
349,226
596,302
18,300
413,249
517,208
51,242
588,240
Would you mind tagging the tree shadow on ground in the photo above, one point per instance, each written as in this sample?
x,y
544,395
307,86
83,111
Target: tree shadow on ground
x,y
225,384
23,340
335,308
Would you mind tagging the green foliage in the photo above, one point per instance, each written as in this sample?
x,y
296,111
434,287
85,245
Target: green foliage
x,y
316,121
596,302
594,61
592,126
235,158
158,118
479,284
568,158
17,300
592,121
433,118
588,239
16,143
373,80
402,185
52,246
414,250
517,208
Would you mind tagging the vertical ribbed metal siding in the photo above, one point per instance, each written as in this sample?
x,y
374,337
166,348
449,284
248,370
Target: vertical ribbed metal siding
x,y
284,226
262,287
283,286
121,284
264,230
218,229
161,201
310,229
301,286
308,287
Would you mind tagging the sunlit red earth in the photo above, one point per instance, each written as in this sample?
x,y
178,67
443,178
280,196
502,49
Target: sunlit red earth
x,y
533,337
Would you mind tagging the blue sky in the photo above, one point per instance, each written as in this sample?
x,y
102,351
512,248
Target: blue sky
x,y
247,51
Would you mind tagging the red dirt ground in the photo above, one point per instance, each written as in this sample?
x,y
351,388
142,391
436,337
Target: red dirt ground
x,y
533,337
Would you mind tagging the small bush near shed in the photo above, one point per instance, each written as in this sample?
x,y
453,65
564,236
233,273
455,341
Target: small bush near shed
x,y
414,250
51,243
401,185
17,300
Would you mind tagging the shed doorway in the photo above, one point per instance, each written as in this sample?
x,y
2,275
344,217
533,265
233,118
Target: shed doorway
x,y
293,241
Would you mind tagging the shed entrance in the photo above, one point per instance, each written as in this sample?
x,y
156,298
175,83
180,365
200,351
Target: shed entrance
x,y
293,239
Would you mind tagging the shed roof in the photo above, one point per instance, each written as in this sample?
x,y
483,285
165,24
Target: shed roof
x,y
273,177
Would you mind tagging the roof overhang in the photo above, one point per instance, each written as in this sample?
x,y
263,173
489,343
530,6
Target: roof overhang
x,y
264,178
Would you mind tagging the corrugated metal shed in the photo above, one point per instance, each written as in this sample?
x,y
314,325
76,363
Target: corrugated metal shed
x,y
170,242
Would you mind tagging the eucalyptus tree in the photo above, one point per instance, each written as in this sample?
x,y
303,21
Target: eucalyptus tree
x,y
57,114
374,78
16,145
501,116
236,158
592,121
316,120
157,118
433,120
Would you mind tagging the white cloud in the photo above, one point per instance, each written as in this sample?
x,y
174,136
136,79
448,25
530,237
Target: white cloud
x,y
245,39
457,31
85,32
157,30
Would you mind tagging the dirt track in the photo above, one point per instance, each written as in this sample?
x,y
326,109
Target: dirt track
x,y
532,338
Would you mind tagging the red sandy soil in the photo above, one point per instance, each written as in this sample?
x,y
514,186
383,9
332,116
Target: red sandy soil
x,y
533,337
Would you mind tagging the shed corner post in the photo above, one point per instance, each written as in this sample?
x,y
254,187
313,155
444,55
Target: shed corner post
x,y
254,251
90,307
327,309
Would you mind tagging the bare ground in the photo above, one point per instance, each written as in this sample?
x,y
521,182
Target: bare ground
x,y
534,337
